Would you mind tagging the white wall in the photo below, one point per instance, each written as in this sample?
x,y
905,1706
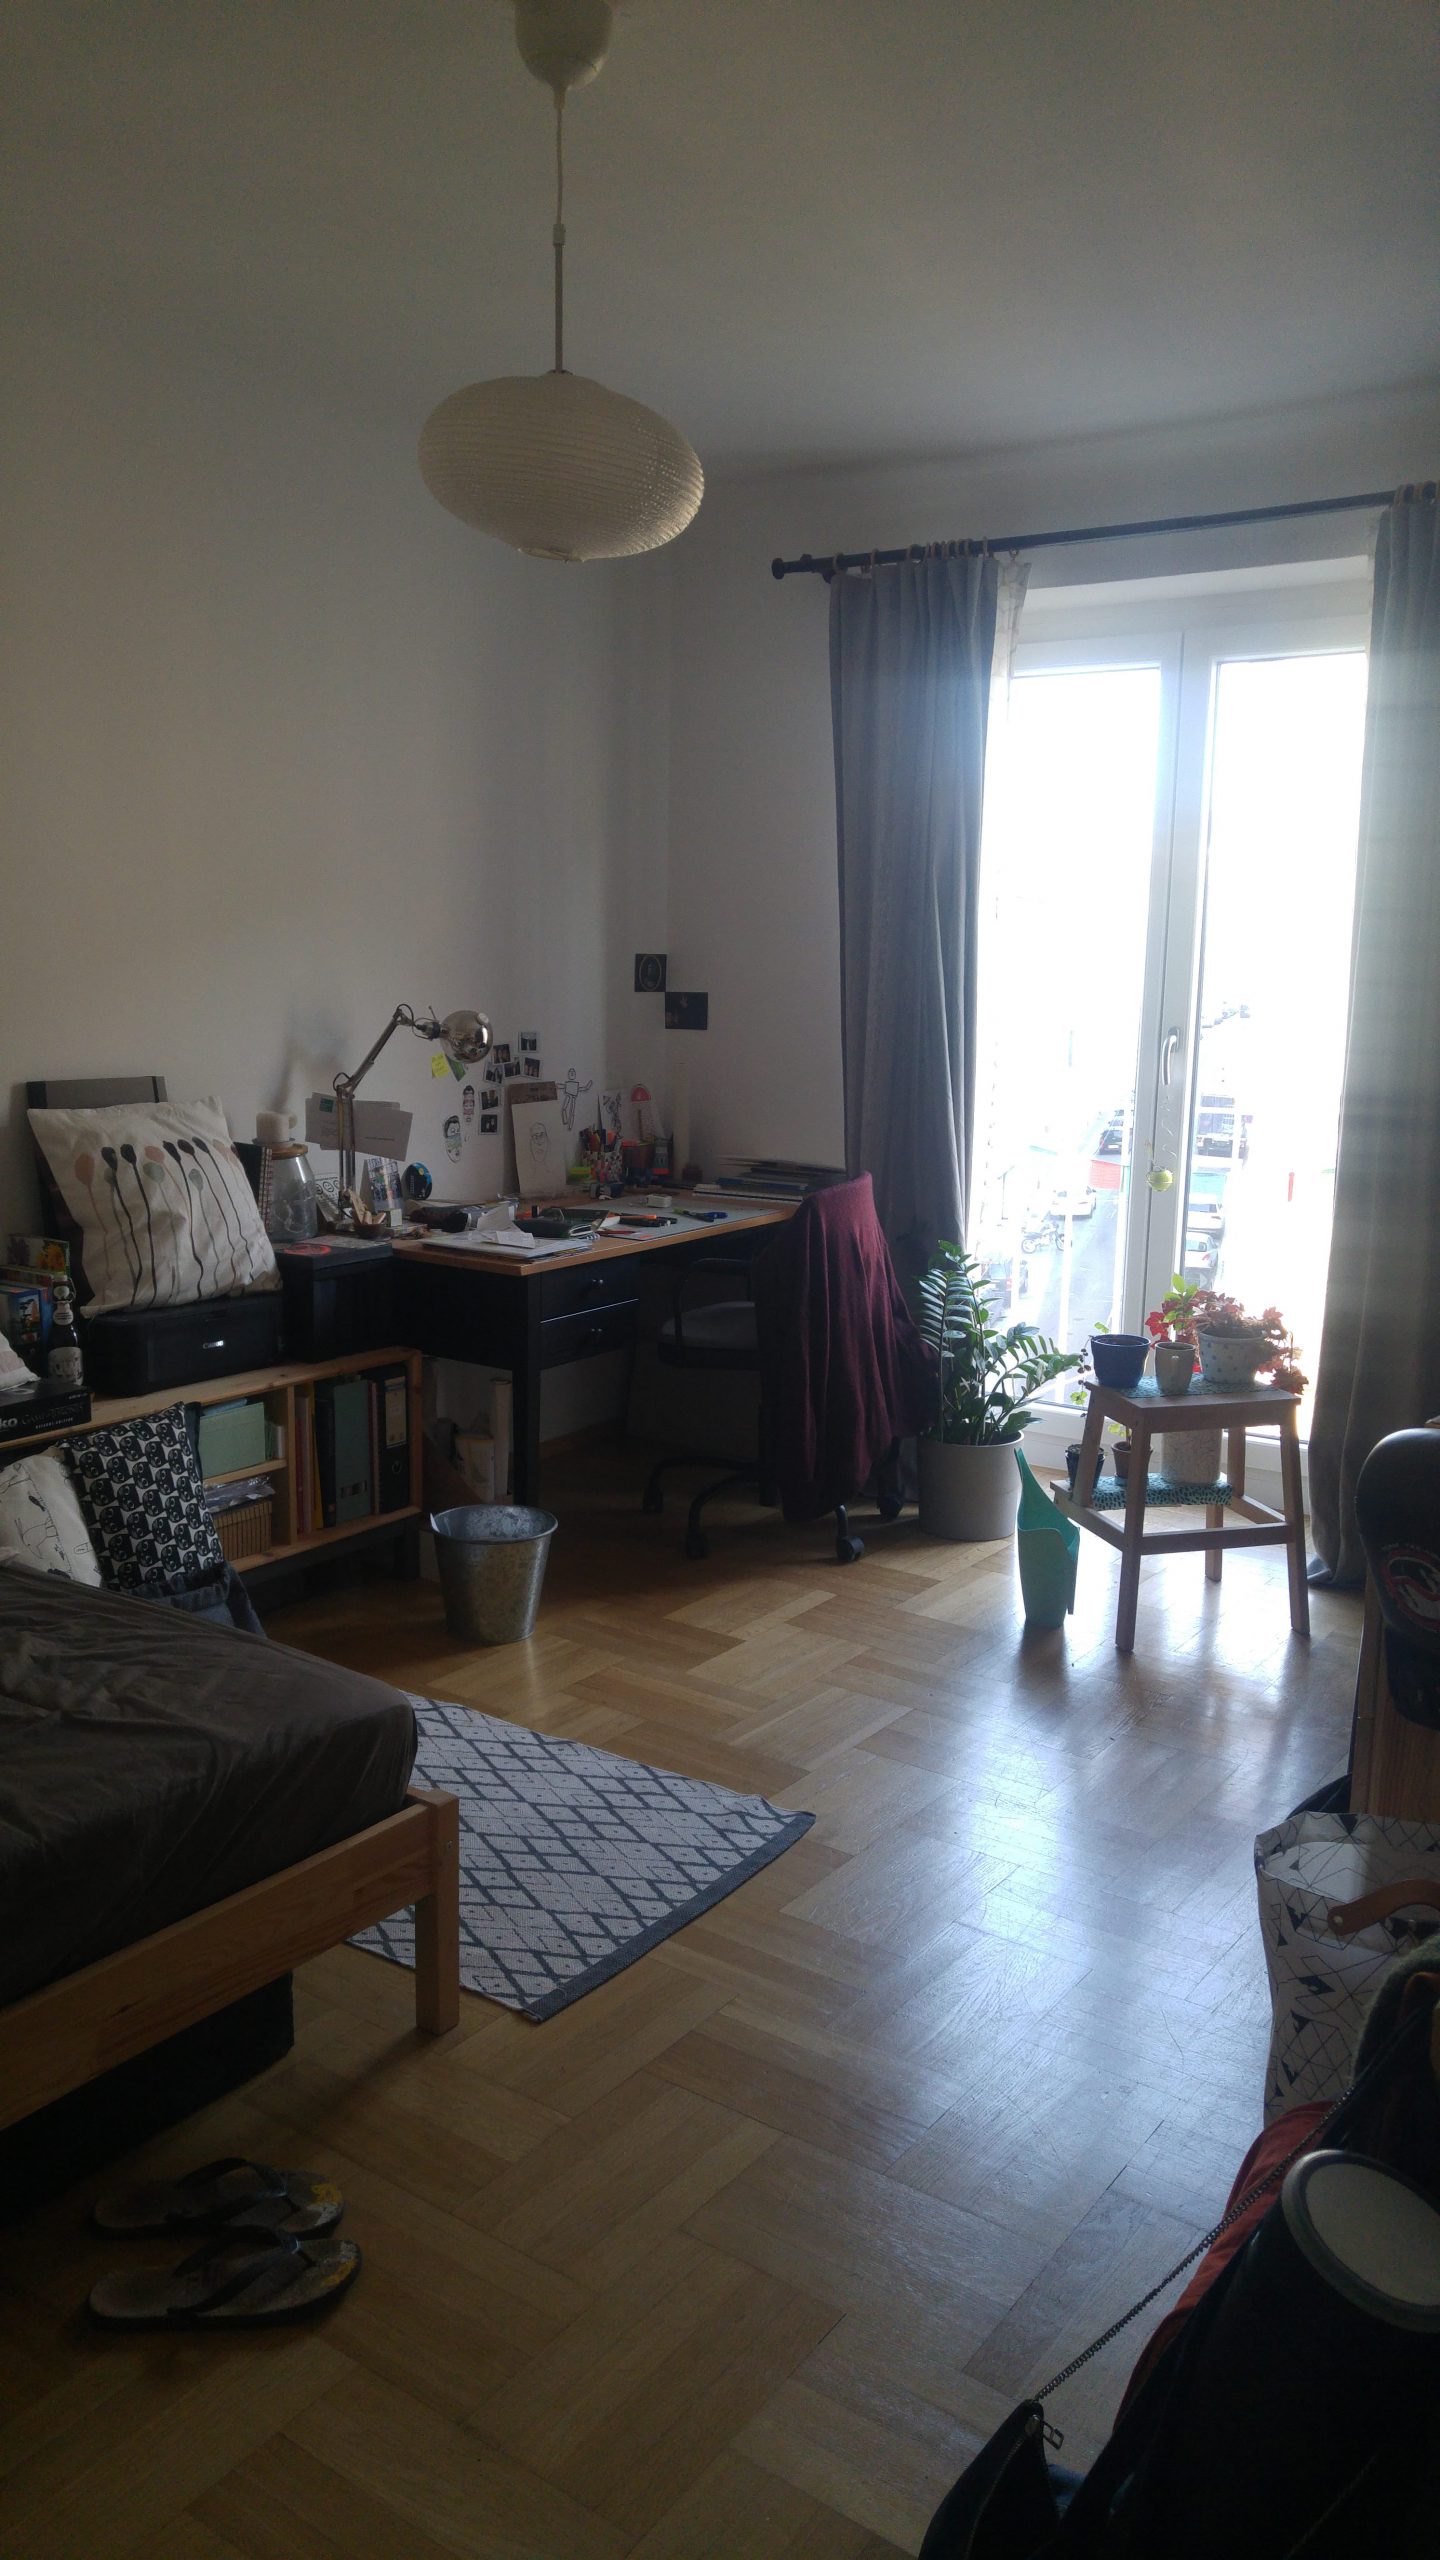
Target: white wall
x,y
285,744
752,809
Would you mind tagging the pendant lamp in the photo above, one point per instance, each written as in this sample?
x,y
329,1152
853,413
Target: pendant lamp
x,y
553,463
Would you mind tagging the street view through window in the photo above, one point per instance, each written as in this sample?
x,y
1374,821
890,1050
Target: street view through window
x,y
1079,1216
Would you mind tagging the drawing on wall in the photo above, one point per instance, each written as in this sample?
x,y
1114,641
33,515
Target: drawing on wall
x,y
540,1148
452,1137
612,1109
570,1093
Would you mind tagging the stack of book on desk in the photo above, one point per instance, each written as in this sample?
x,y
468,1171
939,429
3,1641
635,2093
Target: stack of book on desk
x,y
768,1181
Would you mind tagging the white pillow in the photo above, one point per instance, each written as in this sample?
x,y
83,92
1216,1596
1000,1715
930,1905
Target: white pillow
x,y
161,1198
41,1523
13,1372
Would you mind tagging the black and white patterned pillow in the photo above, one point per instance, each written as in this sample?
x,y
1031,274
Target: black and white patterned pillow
x,y
142,1494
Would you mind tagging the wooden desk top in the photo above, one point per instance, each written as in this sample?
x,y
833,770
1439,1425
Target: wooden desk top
x,y
451,1253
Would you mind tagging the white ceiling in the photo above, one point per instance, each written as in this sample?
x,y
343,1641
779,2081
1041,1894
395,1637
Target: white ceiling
x,y
808,230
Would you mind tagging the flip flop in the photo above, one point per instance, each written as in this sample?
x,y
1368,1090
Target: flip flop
x,y
230,2195
232,2284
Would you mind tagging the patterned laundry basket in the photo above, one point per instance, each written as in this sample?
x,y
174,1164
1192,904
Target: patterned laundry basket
x,y
1322,1982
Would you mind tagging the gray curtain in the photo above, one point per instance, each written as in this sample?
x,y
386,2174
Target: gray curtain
x,y
1380,1356
911,648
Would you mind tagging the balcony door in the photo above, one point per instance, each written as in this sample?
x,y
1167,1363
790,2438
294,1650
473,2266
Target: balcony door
x,y
1168,877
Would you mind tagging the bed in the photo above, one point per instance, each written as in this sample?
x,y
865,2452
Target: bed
x,y
185,1813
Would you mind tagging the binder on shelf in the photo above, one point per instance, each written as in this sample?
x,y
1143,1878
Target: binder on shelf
x,y
390,1395
325,1452
351,1403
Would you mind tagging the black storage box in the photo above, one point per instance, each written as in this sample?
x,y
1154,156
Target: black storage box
x,y
340,1298
136,1352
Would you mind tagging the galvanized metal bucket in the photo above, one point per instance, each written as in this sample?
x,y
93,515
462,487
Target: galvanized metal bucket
x,y
492,1558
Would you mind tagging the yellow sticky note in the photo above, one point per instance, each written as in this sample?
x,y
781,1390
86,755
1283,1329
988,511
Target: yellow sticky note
x,y
439,1065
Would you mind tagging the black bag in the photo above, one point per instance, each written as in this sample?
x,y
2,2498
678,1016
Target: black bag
x,y
1009,2504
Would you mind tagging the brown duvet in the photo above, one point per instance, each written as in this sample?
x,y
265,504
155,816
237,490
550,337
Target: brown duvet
x,y
150,1764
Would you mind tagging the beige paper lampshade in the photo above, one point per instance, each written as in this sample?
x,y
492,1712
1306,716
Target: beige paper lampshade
x,y
556,465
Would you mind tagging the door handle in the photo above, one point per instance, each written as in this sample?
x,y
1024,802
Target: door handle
x,y
1169,1051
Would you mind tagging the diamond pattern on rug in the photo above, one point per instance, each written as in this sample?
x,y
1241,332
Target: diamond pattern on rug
x,y
573,1861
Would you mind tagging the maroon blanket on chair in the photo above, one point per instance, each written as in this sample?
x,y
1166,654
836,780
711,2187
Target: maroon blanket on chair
x,y
844,1372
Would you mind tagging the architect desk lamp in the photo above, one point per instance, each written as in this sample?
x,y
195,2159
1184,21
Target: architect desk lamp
x,y
463,1036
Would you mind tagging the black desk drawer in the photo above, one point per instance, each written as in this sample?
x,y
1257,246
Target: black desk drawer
x,y
605,1328
576,1290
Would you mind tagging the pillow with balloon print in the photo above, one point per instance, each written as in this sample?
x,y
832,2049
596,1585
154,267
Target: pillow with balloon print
x,y
165,1212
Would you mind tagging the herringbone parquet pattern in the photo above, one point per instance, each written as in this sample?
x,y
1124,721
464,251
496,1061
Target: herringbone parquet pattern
x,y
742,2255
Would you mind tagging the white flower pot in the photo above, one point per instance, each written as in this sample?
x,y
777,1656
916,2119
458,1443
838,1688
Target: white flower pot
x,y
1174,1368
1189,1457
968,1489
1229,1360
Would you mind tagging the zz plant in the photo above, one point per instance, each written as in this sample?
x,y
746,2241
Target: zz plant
x,y
987,1371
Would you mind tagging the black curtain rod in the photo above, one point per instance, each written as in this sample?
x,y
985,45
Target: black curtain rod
x,y
827,568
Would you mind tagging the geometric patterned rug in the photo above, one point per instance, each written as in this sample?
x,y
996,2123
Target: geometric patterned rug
x,y
574,1861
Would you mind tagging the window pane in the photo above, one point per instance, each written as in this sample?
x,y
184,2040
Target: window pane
x,y
1065,877
1279,896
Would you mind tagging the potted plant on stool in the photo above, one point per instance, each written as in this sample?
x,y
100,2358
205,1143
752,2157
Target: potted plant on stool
x,y
1170,1329
969,1482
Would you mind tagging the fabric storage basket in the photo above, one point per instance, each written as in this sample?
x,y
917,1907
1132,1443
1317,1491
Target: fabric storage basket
x,y
1322,1979
244,1529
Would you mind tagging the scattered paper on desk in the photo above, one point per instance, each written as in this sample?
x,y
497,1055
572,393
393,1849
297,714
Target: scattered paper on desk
x,y
509,1239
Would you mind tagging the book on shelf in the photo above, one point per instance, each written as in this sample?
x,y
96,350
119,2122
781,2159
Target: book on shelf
x,y
353,1449
44,1406
390,1438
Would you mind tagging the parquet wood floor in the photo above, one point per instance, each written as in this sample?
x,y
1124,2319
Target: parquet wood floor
x,y
741,2256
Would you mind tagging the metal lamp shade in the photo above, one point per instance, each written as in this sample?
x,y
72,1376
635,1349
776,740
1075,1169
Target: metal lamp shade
x,y
558,466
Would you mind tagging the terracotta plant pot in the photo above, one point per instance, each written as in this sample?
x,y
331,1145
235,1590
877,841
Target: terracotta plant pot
x,y
1174,1367
1229,1360
968,1489
1121,1455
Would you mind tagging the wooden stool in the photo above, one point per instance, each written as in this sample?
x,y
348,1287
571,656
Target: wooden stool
x,y
1144,1411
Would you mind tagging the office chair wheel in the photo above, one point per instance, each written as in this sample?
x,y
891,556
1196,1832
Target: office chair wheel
x,y
697,1545
890,1505
849,1550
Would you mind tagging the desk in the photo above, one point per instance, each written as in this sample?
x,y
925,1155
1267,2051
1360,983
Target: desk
x,y
527,1317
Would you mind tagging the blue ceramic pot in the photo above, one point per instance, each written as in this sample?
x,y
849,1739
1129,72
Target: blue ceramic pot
x,y
1118,1359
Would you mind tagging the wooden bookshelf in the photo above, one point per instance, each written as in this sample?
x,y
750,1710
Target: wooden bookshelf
x,y
281,1388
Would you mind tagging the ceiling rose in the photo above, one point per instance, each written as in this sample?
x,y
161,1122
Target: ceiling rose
x,y
553,463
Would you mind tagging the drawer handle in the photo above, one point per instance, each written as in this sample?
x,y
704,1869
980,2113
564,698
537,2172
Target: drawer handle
x,y
593,1333
594,1284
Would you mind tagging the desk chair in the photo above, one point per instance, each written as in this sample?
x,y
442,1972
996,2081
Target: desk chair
x,y
843,1373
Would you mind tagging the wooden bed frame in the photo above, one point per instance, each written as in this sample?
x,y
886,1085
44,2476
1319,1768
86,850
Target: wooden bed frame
x,y
56,2039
